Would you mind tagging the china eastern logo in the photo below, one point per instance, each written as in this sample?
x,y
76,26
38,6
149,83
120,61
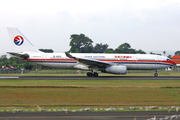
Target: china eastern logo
x,y
18,40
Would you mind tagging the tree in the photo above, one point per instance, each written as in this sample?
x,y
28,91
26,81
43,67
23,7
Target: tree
x,y
80,44
177,53
100,48
164,52
132,51
152,53
3,57
169,56
140,51
15,61
47,50
109,50
28,65
124,48
3,60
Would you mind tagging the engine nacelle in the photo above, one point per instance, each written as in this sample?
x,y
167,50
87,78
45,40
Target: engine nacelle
x,y
119,69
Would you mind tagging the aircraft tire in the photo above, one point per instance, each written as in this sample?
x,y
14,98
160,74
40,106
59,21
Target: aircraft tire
x,y
95,74
89,74
155,74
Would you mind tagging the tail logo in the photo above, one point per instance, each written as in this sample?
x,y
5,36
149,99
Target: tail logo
x,y
18,40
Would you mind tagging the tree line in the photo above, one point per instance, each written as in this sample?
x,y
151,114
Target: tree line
x,y
18,63
83,44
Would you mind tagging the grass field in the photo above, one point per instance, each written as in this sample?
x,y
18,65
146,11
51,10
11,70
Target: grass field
x,y
77,97
96,84
84,93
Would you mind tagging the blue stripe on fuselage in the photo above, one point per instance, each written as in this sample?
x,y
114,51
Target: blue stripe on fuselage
x,y
162,63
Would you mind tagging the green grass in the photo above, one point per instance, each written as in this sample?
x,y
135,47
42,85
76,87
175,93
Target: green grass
x,y
90,93
94,83
77,97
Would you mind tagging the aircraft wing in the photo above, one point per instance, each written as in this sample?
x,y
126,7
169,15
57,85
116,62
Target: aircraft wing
x,y
90,62
19,55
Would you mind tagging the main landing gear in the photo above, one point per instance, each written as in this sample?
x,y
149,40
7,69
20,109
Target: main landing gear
x,y
156,74
92,74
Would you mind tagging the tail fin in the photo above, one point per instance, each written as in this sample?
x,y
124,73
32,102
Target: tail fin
x,y
20,41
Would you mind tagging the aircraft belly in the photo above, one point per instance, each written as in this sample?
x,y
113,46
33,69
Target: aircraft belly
x,y
161,66
145,66
58,65
131,66
39,63
61,65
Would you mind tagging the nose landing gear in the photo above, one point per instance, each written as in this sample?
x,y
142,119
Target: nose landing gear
x,y
156,74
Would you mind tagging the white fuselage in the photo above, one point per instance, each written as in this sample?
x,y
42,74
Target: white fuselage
x,y
132,61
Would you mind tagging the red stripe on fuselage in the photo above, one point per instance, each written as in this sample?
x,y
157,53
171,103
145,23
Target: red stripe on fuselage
x,y
51,59
135,61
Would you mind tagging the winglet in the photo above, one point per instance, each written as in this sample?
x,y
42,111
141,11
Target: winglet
x,y
69,55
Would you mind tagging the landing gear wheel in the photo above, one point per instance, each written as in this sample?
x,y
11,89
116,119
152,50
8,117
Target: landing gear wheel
x,y
155,74
89,74
95,74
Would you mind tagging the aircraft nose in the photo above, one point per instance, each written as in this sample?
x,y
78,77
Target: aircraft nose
x,y
173,62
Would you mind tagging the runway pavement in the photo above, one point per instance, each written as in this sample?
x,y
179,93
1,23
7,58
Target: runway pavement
x,y
134,115
91,78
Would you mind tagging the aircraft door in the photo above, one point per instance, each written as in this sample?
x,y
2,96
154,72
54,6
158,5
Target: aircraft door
x,y
159,59
134,62
134,59
44,57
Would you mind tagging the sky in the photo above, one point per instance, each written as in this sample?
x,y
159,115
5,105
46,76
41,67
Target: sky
x,y
150,25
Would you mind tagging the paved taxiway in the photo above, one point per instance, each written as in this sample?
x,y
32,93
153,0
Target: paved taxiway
x,y
136,115
91,78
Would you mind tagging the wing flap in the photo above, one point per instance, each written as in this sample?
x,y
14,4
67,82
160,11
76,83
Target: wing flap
x,y
89,62
93,62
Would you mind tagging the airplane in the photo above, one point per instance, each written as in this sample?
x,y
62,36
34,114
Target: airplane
x,y
93,62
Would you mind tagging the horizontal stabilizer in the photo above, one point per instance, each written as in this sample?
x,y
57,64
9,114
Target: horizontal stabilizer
x,y
19,55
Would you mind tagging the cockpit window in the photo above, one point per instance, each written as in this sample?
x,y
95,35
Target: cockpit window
x,y
168,59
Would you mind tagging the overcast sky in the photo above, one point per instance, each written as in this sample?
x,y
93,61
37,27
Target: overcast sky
x,y
150,25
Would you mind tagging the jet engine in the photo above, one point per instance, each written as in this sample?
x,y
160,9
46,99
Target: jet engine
x,y
116,69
